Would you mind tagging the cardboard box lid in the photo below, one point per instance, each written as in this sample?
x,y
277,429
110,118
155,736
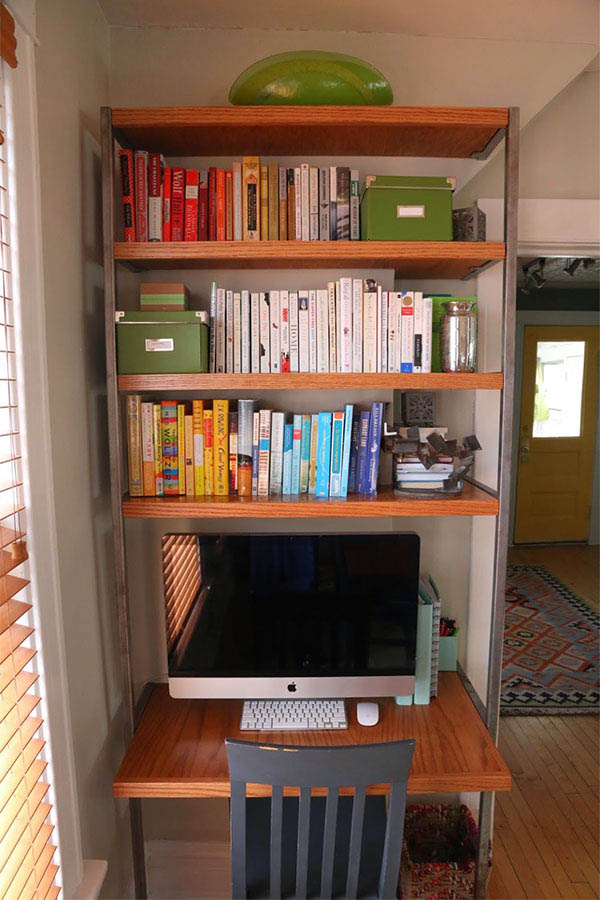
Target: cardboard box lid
x,y
154,317
431,182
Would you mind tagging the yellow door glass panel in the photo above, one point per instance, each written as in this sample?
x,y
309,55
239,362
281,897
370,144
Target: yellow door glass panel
x,y
558,389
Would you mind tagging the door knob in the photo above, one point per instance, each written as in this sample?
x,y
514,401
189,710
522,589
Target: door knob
x,y
524,449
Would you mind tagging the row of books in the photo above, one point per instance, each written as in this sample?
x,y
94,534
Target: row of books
x,y
411,473
205,448
353,325
249,202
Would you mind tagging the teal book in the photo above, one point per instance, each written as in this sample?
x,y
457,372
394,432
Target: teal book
x,y
312,467
337,440
348,410
296,441
323,454
422,690
288,431
304,454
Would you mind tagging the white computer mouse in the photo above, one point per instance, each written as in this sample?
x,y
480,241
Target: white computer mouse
x,y
367,713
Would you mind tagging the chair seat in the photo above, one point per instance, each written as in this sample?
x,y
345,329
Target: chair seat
x,y
258,813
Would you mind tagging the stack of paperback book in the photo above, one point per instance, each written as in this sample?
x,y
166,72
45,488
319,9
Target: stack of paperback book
x,y
249,202
203,448
353,325
411,473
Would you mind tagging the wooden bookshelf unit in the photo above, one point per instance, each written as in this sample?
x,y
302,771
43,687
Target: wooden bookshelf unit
x,y
428,381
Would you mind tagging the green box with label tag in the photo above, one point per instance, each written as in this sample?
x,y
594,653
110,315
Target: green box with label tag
x,y
162,342
406,208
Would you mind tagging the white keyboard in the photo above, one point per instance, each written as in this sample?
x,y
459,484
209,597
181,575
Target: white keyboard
x,y
293,715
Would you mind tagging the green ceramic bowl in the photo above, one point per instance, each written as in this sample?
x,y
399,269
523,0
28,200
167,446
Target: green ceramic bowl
x,y
311,78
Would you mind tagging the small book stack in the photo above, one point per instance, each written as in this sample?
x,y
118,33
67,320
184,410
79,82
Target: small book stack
x,y
204,448
411,473
352,325
252,201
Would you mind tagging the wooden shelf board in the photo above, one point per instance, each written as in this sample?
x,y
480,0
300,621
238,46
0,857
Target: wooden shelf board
x,y
471,502
312,130
430,381
426,259
178,748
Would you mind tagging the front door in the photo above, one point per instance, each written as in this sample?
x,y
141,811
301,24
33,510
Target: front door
x,y
557,433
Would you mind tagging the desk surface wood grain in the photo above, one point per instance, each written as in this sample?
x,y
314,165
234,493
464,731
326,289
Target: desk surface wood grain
x,y
178,748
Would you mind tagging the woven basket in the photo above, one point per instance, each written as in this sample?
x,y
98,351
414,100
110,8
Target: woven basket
x,y
438,860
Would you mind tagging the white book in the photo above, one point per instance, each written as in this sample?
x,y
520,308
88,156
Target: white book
x,y
276,475
155,210
332,326
221,326
379,316
398,333
303,332
294,335
264,451
313,199
254,333
418,332
324,203
333,203
322,332
284,331
384,331
275,331
305,200
392,322
357,325
265,329
298,203
354,206
255,435
408,331
312,331
237,332
346,324
245,333
229,332
212,355
427,333
237,201
370,326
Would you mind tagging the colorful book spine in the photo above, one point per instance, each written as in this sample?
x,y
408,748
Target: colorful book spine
x,y
384,331
418,332
221,447
296,444
322,332
245,427
273,202
323,454
345,322
155,165
275,331
313,203
212,355
348,421
127,194
303,333
312,331
343,204
407,338
220,204
294,333
157,449
291,205
265,332
181,448
189,455
283,216
203,205
354,206
190,229
198,440
324,203
357,325
221,332
233,453
237,332
228,205
284,335
391,334
276,473
140,160
333,326
245,332
288,433
297,203
134,445
251,198
337,441
212,203
255,440
427,333
177,203
312,466
264,203
363,447
229,331
208,453
147,443
353,455
264,451
305,200
237,201
333,203
254,333
374,447
169,447
304,454
166,204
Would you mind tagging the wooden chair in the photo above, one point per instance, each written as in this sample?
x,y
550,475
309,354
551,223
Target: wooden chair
x,y
333,846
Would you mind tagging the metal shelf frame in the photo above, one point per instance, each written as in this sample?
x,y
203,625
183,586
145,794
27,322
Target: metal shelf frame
x,y
491,710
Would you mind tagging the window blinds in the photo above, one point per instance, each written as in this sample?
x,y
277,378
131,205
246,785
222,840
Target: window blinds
x,y
181,577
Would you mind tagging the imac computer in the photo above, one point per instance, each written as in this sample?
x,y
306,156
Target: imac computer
x,y
291,616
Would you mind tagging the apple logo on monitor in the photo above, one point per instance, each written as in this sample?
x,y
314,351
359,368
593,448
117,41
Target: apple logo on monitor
x,y
292,687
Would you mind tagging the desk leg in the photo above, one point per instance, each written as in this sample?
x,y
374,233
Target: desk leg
x,y
486,804
138,848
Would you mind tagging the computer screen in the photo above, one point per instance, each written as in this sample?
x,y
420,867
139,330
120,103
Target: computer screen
x,y
312,615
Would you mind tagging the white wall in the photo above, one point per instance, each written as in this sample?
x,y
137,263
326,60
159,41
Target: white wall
x,y
72,67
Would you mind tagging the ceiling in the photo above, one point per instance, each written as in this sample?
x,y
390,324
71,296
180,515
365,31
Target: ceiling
x,y
555,276
527,20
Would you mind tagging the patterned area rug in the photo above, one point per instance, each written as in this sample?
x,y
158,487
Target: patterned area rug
x,y
551,647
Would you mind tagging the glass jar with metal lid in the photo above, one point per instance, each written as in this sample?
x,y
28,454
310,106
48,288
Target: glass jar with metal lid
x,y
458,337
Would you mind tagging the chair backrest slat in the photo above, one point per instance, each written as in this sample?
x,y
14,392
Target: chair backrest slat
x,y
392,847
329,831
356,830
276,837
238,838
302,850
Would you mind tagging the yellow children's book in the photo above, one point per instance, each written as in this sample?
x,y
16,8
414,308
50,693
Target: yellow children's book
x,y
221,447
198,430
157,448
208,452
148,482
181,446
134,442
189,456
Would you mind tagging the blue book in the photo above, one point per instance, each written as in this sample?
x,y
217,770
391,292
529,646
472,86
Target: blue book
x,y
337,441
374,447
353,456
304,454
323,454
346,449
363,446
296,441
288,431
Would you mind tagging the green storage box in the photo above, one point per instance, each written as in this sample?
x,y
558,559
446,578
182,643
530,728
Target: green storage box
x,y
405,208
438,310
162,342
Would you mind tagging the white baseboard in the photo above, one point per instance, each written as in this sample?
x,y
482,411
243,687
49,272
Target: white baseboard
x,y
94,873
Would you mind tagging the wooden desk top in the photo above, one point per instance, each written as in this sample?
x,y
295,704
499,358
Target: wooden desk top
x,y
178,748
